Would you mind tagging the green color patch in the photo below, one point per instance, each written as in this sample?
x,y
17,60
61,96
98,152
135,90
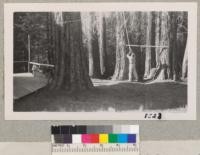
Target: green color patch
x,y
112,138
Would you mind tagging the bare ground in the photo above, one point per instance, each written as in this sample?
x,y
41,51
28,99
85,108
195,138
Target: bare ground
x,y
109,96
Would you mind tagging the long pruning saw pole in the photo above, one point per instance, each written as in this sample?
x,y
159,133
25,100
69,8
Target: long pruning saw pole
x,y
126,31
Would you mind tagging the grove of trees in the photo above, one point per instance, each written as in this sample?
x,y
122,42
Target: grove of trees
x,y
85,45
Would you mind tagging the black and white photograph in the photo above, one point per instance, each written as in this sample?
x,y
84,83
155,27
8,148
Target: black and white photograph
x,y
106,63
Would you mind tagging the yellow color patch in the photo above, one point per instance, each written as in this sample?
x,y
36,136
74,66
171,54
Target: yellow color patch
x,y
103,138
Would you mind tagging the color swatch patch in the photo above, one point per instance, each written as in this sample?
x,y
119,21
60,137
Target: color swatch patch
x,y
103,138
95,134
113,138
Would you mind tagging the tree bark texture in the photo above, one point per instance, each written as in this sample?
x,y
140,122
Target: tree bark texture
x,y
102,42
50,38
182,43
121,66
164,70
169,59
157,37
173,53
185,63
137,35
148,43
71,71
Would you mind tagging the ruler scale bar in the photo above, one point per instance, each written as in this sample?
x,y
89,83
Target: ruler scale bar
x,y
95,148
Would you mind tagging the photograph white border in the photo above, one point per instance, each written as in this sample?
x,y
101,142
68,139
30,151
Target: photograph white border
x,y
10,8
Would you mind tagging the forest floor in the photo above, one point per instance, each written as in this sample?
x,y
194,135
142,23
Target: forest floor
x,y
109,95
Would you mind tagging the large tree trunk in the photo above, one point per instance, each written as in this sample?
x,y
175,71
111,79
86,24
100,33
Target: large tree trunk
x,y
182,43
121,66
164,70
102,42
185,63
173,53
96,72
137,34
148,43
167,57
50,38
87,39
157,37
70,68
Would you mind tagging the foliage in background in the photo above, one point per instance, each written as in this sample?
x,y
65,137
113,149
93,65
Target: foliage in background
x,y
34,25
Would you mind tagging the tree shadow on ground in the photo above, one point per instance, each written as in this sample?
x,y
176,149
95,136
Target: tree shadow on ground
x,y
109,97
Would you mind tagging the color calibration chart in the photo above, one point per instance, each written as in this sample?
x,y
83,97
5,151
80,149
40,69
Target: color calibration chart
x,y
95,140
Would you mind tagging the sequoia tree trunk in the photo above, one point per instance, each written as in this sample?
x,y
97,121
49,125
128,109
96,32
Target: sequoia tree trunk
x,y
182,44
164,70
167,60
157,37
102,42
50,38
137,31
173,53
148,43
87,32
71,71
121,66
185,63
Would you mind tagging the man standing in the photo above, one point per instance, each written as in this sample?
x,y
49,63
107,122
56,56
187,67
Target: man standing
x,y
34,69
132,68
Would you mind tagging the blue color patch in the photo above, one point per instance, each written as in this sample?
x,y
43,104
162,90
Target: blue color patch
x,y
131,138
122,138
